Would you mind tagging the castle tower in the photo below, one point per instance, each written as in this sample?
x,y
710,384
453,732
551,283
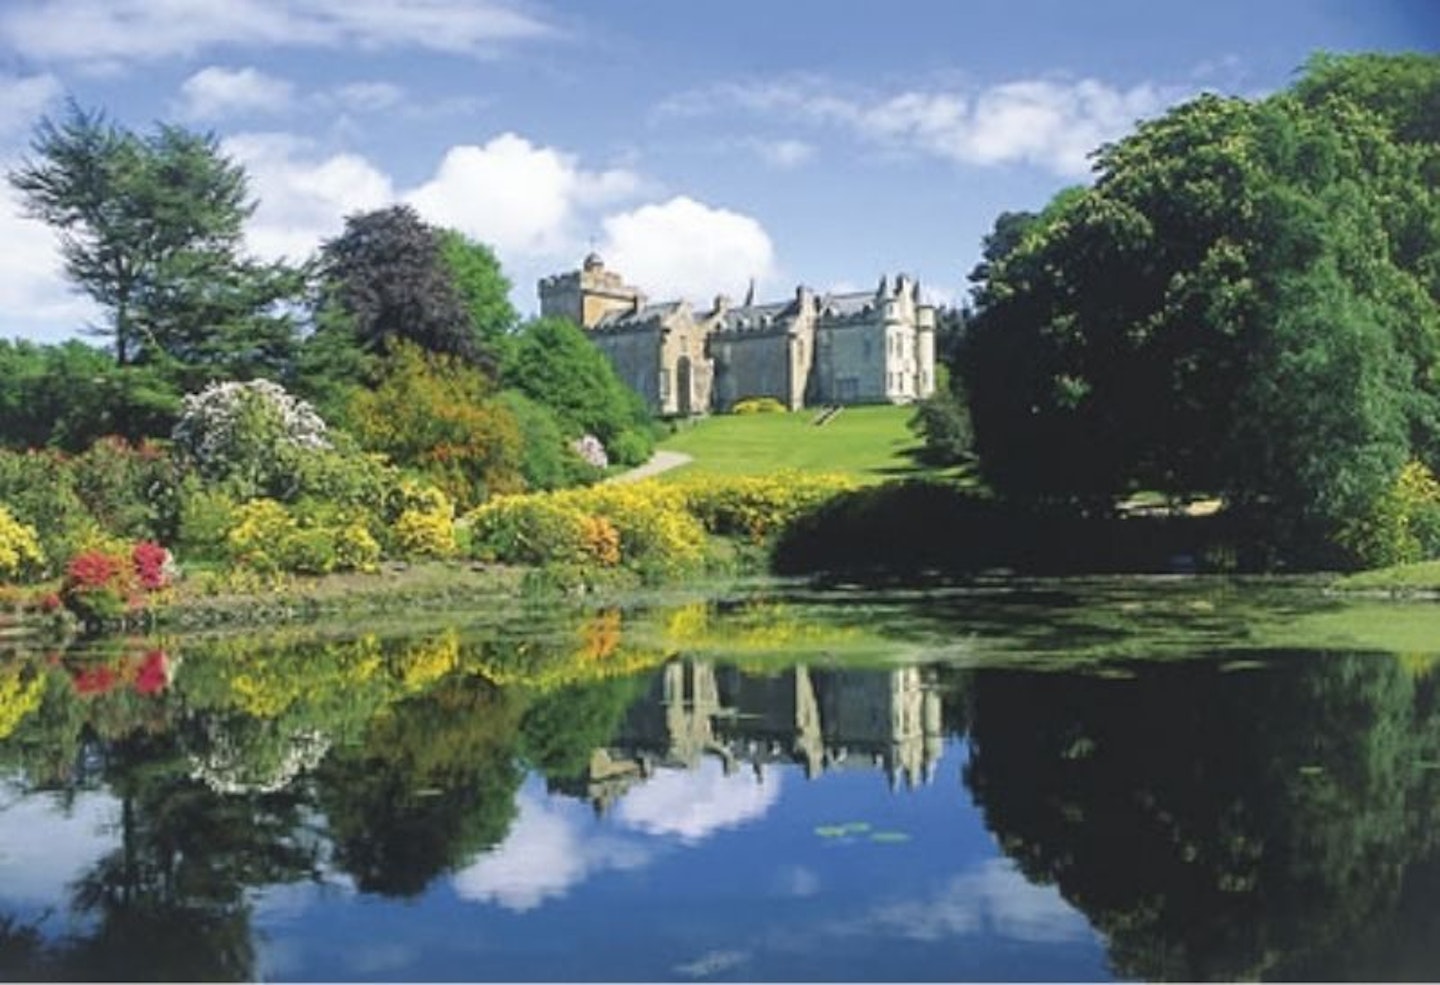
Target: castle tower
x,y
586,295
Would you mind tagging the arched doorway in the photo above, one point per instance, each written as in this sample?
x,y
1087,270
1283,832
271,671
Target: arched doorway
x,y
684,387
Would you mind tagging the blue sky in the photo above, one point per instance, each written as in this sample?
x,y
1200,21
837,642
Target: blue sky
x,y
695,145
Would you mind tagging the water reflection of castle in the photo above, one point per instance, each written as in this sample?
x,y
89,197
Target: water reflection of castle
x,y
822,719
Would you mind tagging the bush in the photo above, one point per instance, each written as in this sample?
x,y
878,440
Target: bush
x,y
259,533
758,405
132,491
757,507
540,529
435,415
553,362
1402,525
249,436
632,446
207,515
20,554
105,584
311,538
942,421
424,520
39,489
355,548
643,525
547,460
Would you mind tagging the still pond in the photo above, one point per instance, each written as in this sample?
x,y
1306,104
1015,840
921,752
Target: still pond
x,y
1075,780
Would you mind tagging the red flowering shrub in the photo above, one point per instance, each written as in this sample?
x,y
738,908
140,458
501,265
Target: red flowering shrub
x,y
153,673
101,585
147,674
94,680
149,560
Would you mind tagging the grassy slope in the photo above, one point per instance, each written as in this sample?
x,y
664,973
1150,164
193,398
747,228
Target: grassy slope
x,y
1421,577
871,443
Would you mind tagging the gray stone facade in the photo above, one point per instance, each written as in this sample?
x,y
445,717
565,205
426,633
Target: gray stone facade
x,y
812,350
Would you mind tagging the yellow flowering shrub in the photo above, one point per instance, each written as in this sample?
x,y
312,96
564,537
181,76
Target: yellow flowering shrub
x,y
423,520
1402,525
269,537
757,506
355,548
420,534
429,660
20,553
20,696
644,524
260,527
542,529
654,526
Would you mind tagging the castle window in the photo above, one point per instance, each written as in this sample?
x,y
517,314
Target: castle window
x,y
664,385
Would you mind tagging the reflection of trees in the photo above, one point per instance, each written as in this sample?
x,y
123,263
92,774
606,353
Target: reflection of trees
x,y
169,903
563,728
432,783
1216,825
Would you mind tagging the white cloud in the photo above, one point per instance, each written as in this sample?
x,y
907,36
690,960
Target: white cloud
x,y
523,199
684,248
22,100
1048,123
796,880
214,93
784,155
369,97
38,301
532,203
303,198
696,803
995,898
546,854
126,30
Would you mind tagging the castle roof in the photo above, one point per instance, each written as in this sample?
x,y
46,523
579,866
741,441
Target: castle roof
x,y
844,305
634,318
755,315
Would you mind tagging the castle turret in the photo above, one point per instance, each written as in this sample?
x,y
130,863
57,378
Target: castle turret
x,y
586,295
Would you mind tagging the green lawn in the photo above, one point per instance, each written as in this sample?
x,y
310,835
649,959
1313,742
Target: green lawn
x,y
871,443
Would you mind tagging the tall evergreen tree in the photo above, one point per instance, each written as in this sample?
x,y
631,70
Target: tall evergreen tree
x,y
151,229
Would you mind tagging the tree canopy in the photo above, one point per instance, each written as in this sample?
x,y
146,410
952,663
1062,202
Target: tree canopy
x,y
387,277
1244,303
150,228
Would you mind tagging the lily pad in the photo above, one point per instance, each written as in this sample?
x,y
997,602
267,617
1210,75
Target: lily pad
x,y
889,837
844,830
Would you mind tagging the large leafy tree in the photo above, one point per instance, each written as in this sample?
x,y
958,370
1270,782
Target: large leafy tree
x,y
1244,302
151,229
483,288
385,278
555,364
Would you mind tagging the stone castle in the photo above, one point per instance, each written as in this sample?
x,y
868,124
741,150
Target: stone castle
x,y
864,347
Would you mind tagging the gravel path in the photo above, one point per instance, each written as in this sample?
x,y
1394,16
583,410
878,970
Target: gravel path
x,y
661,461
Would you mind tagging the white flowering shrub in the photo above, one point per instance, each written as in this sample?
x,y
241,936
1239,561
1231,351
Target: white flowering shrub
x,y
248,435
256,758
589,448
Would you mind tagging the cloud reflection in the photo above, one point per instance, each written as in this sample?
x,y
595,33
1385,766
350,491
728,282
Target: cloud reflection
x,y
993,898
548,852
696,803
